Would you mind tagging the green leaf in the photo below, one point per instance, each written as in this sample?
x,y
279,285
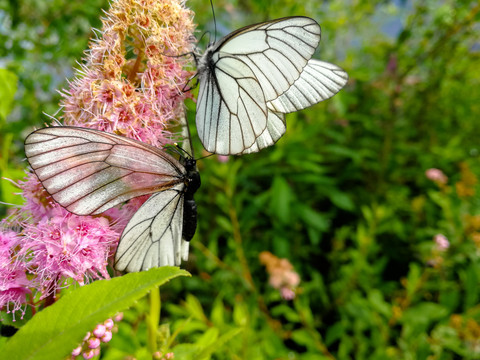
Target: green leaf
x,y
195,308
341,200
55,331
9,192
8,88
281,199
217,345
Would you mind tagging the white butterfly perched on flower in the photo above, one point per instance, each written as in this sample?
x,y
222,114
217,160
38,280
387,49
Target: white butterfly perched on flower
x,y
252,77
89,171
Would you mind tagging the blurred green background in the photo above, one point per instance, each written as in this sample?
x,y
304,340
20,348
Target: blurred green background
x,y
343,195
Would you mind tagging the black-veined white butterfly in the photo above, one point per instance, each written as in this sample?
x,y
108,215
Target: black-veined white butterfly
x,y
88,171
252,77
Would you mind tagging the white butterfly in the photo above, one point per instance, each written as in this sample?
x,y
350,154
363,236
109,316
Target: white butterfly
x,y
88,171
252,77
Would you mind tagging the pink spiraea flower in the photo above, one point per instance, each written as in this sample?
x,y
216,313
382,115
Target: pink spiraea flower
x,y
436,176
92,340
140,93
14,284
131,84
68,246
282,275
441,242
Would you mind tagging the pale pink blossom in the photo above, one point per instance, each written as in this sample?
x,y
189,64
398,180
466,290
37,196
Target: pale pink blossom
x,y
76,351
437,176
109,324
99,330
441,242
282,275
107,336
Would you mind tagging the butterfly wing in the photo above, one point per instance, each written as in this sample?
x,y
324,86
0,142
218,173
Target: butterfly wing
x,y
88,171
153,237
243,72
276,127
318,81
231,110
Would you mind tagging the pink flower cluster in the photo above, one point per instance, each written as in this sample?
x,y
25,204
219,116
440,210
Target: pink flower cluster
x,y
131,84
90,347
282,275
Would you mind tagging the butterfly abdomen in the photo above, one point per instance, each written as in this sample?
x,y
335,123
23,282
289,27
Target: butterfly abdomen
x,y
189,219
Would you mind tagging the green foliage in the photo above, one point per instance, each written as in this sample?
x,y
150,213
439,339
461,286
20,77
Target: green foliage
x,y
343,195
56,330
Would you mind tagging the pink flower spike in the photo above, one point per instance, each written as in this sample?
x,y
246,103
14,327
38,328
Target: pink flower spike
x,y
109,324
99,330
87,336
107,337
77,350
93,343
169,355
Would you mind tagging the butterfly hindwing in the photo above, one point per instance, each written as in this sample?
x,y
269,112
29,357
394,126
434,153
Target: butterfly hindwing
x,y
153,236
318,81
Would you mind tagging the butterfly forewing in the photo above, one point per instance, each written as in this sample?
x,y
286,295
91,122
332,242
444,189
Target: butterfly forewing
x,y
231,117
88,171
276,51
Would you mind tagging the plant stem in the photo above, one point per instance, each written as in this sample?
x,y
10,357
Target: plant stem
x,y
153,319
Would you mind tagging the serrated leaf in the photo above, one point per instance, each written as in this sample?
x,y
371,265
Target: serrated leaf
x,y
55,331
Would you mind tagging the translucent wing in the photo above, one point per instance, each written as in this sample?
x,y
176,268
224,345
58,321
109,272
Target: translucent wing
x,y
275,129
318,81
276,51
89,171
231,110
153,237
241,73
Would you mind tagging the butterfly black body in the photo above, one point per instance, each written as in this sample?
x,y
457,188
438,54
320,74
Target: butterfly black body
x,y
192,183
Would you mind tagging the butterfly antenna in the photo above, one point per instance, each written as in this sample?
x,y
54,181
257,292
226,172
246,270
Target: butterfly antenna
x,y
206,156
214,22
182,151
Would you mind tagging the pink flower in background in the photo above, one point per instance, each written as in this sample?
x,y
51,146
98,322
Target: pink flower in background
x,y
441,242
282,275
131,83
437,176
